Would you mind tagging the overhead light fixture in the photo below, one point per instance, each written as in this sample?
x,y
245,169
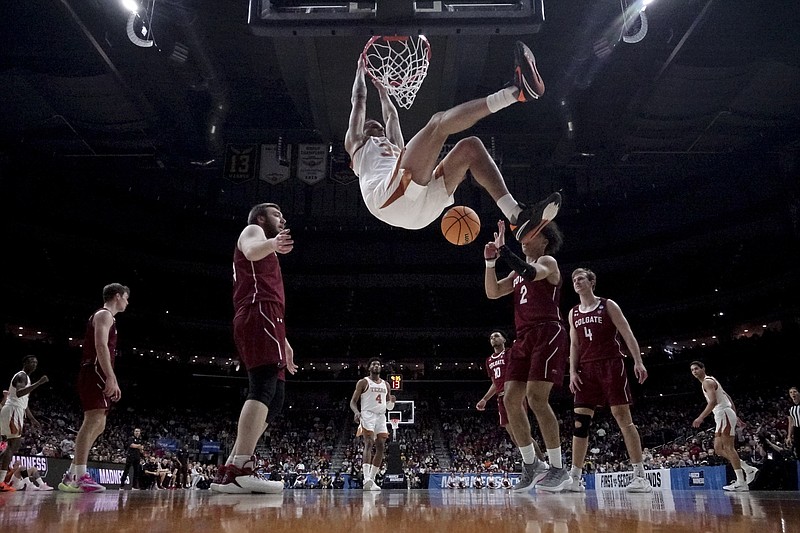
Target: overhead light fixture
x,y
131,5
138,31
634,21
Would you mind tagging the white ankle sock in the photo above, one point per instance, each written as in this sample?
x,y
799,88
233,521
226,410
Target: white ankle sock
x,y
502,99
528,455
510,208
554,454
80,470
575,472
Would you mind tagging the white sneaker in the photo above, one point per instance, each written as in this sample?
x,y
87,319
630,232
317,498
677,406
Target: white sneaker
x,y
736,486
639,484
257,483
575,485
368,484
44,486
750,473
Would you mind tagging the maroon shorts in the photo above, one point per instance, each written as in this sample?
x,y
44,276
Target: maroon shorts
x,y
539,354
260,335
501,409
605,382
91,382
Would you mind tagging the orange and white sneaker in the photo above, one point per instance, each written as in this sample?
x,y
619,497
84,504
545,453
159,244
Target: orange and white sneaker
x,y
526,77
532,220
5,487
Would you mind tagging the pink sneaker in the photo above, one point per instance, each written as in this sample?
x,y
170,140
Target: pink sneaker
x,y
87,484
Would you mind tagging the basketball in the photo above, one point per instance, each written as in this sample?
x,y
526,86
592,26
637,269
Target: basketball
x,y
460,225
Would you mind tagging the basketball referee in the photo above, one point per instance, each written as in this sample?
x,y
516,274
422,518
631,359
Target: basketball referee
x,y
793,435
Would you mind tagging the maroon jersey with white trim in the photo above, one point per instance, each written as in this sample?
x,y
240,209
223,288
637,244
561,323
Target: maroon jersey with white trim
x,y
89,353
597,335
496,368
256,281
535,302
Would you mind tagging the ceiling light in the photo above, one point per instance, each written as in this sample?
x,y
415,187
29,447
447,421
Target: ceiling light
x,y
131,5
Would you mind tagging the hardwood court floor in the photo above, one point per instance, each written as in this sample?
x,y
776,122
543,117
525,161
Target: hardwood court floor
x,y
460,511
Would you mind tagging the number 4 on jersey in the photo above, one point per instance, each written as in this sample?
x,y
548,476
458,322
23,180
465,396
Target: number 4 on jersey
x,y
587,333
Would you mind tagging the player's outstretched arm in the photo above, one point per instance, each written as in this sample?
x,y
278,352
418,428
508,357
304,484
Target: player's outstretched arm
x,y
358,99
390,116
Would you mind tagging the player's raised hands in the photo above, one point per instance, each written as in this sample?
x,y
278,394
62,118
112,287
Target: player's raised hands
x,y
490,251
500,234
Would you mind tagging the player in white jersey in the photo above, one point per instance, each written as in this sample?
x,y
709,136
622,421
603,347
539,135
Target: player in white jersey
x,y
14,410
22,478
373,393
405,185
726,420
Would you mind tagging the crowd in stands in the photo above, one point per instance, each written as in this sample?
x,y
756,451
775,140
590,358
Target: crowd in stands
x,y
299,445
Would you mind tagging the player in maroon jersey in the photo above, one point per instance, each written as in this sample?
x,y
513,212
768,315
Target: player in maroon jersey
x,y
597,375
97,385
495,366
260,336
538,357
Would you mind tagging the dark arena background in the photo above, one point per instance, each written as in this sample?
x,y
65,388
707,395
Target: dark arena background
x,y
135,136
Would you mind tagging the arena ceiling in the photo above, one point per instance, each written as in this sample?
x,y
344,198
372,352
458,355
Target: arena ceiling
x,y
677,154
708,77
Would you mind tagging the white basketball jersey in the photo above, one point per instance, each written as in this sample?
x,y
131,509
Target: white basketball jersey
x,y
12,400
374,398
720,396
376,158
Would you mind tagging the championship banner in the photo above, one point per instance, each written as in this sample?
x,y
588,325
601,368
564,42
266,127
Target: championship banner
x,y
660,479
241,162
340,170
312,162
271,170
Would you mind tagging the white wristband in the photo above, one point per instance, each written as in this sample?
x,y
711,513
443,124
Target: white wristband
x,y
490,263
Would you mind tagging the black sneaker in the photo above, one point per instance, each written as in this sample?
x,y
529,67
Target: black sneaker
x,y
533,219
526,77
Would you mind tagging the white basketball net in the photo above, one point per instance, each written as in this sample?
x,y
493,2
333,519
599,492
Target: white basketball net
x,y
399,64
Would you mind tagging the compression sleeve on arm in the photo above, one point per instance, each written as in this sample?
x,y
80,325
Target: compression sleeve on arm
x,y
524,269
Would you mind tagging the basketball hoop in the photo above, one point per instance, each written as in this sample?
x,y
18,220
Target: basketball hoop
x,y
395,422
399,63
